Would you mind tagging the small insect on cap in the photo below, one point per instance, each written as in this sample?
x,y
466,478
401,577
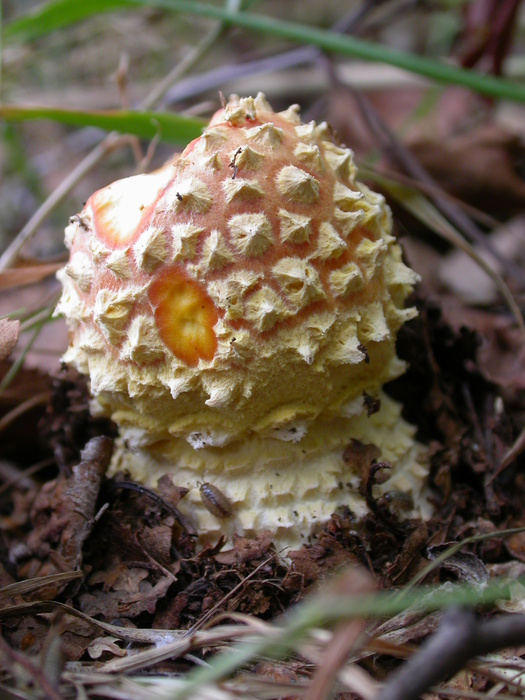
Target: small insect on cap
x,y
248,287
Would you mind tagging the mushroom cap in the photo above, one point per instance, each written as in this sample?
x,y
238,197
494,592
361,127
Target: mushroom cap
x,y
251,285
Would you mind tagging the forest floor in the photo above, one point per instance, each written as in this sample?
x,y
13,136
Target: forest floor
x,y
103,590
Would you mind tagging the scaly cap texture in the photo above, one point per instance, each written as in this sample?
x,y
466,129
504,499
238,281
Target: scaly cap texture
x,y
250,286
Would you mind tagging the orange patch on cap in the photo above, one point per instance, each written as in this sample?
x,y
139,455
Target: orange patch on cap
x,y
185,316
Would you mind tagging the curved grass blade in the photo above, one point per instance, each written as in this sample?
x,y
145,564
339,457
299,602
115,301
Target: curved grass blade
x,y
324,609
453,549
351,46
31,26
147,125
46,18
59,14
32,585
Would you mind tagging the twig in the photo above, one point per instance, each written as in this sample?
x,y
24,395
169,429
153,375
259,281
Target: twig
x,y
460,637
344,641
432,190
379,512
181,519
121,77
11,475
209,80
182,67
454,694
397,150
287,59
33,585
489,47
391,14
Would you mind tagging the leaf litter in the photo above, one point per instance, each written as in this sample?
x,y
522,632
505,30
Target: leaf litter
x,y
104,593
117,556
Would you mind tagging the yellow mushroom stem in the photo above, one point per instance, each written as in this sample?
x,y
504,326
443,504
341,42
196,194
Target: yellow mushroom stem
x,y
289,488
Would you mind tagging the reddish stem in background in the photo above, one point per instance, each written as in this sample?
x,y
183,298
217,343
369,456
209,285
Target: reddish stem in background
x,y
488,31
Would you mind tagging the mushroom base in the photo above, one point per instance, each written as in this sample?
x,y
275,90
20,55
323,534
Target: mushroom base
x,y
289,488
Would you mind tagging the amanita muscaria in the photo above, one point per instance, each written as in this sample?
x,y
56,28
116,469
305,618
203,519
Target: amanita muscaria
x,y
233,311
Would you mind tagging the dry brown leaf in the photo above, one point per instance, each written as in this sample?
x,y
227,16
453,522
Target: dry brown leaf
x,y
246,550
132,595
62,516
100,645
20,276
325,555
9,332
480,166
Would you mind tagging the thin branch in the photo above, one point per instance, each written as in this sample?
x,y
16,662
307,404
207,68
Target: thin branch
x,y
432,190
182,67
144,491
220,603
460,637
343,642
209,80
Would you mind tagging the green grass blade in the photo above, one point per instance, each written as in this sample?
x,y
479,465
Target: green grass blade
x,y
59,14
324,609
173,128
454,549
56,15
351,46
1,51
63,12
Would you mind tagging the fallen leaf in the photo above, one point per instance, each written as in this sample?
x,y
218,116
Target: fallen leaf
x,y
465,566
479,166
9,332
105,644
62,516
246,549
132,595
21,276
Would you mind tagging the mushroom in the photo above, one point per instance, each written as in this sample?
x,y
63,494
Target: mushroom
x,y
235,311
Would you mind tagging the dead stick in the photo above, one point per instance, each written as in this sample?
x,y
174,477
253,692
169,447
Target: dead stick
x,y
460,637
